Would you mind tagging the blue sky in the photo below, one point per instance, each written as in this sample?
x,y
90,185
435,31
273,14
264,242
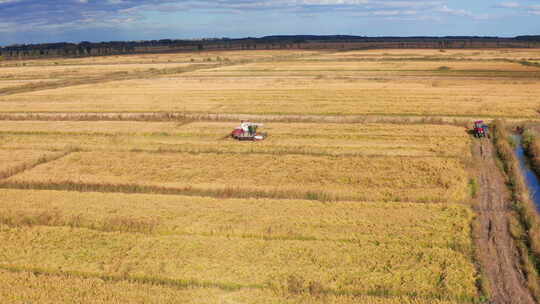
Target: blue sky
x,y
36,21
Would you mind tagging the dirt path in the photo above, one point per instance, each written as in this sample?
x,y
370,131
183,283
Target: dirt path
x,y
497,253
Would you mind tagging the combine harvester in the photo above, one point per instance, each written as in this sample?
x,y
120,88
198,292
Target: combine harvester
x,y
481,129
248,131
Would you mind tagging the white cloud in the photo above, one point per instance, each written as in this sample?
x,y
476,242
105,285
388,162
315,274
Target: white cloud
x,y
508,5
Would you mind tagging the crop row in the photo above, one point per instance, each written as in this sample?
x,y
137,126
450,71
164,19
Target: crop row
x,y
238,175
342,268
426,225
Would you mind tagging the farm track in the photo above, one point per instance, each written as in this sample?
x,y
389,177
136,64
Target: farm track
x,y
497,252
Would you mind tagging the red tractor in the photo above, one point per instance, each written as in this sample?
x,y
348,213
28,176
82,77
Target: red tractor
x,y
481,129
248,131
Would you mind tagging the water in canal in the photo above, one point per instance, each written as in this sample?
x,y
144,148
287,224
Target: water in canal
x,y
531,178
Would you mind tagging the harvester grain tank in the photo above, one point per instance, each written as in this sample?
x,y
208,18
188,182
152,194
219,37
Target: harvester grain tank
x,y
248,131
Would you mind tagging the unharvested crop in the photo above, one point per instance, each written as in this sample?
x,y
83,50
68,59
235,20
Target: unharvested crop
x,y
296,176
285,138
428,225
340,267
35,286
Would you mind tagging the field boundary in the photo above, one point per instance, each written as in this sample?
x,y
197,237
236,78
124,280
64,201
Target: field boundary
x,y
188,117
228,192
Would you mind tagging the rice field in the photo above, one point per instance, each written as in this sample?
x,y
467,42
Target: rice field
x,y
15,161
299,176
427,225
285,138
330,208
317,87
35,287
230,260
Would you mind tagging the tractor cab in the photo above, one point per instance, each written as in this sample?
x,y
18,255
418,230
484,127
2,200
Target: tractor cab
x,y
481,129
248,131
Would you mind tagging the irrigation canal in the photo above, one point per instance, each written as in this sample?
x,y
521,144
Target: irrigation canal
x,y
533,182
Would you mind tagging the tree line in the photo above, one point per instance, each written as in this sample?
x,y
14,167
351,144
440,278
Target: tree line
x,y
85,48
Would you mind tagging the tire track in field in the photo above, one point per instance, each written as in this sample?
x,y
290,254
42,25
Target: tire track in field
x,y
28,166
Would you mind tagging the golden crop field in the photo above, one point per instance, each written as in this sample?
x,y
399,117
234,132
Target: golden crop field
x,y
300,138
323,86
68,71
299,176
472,54
15,73
53,289
428,225
334,259
13,161
363,191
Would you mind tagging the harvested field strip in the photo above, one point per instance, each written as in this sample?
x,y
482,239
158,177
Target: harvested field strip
x,y
427,225
39,286
332,97
109,77
383,65
106,73
429,179
339,268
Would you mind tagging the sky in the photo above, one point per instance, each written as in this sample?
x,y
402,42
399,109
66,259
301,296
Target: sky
x,y
39,21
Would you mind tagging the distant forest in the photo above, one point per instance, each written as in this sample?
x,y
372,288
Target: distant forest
x,y
338,42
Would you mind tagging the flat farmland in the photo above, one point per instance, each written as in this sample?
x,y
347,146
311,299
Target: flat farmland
x,y
15,161
334,260
36,74
275,169
299,176
65,288
433,54
368,139
405,223
130,190
306,85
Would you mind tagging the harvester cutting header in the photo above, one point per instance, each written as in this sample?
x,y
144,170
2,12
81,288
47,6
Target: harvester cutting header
x,y
248,131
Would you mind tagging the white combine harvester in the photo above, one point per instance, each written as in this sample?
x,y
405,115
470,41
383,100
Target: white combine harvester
x,y
248,131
